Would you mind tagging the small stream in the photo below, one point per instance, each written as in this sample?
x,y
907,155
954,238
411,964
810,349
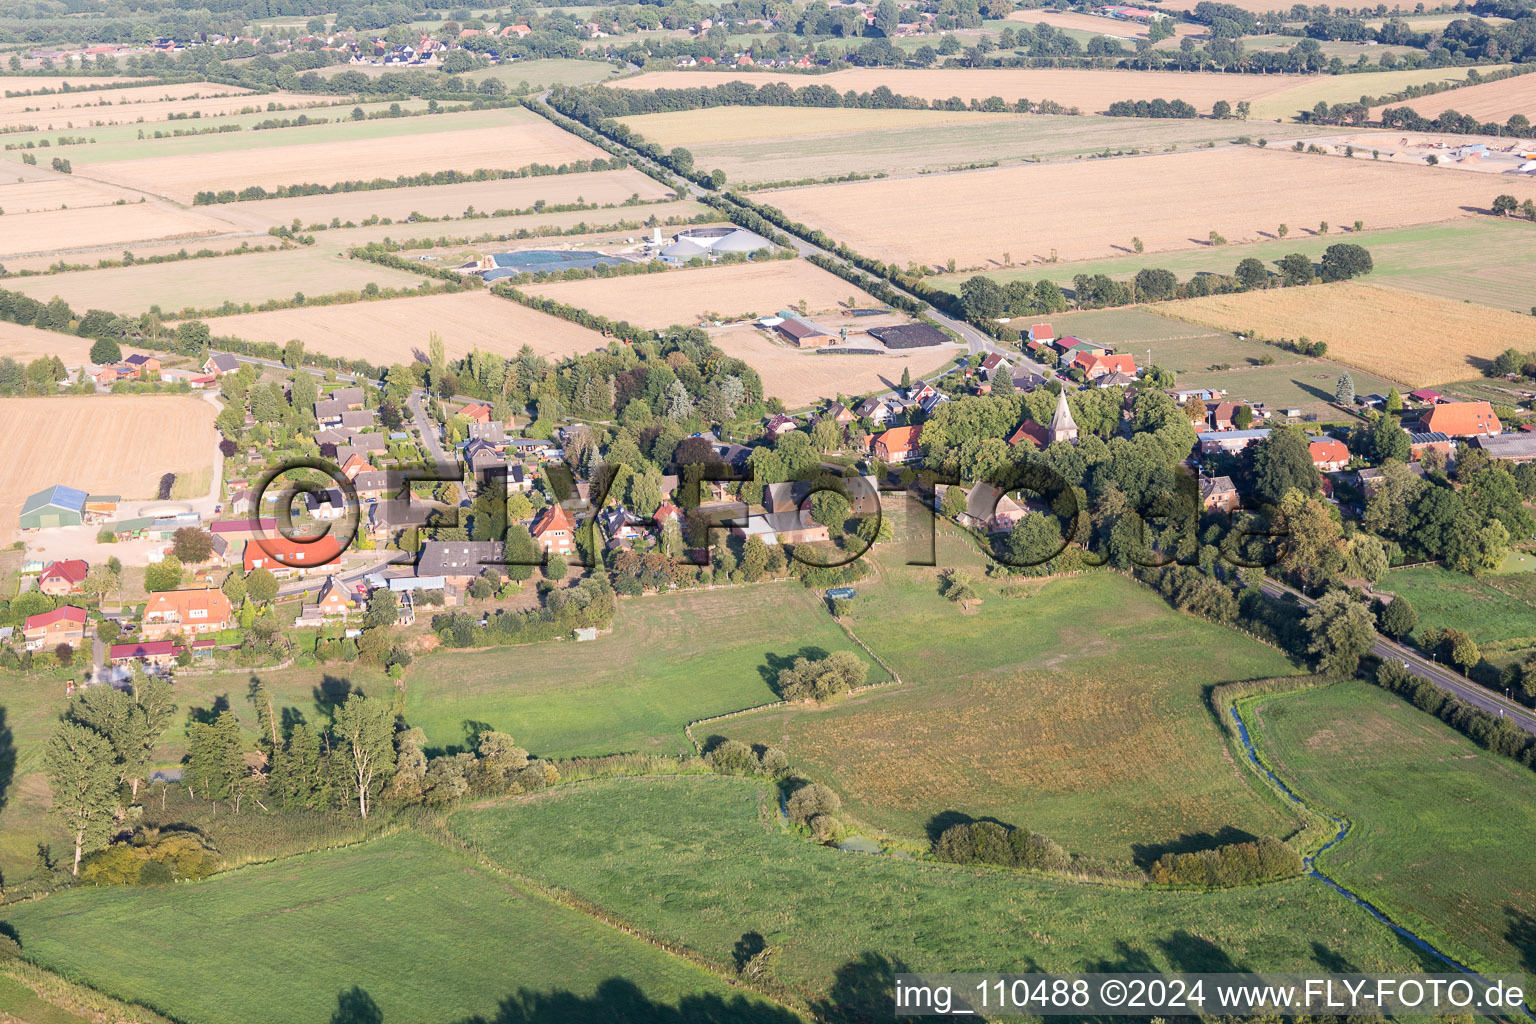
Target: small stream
x,y
1310,862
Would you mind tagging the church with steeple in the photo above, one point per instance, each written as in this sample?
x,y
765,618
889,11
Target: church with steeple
x,y
1062,427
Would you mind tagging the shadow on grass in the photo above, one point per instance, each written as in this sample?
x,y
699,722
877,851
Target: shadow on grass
x,y
773,664
7,758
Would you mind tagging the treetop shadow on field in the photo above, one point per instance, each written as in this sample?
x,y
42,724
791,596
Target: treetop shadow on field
x,y
773,664
207,715
356,1006
1521,933
7,758
1332,962
1146,854
619,999
332,692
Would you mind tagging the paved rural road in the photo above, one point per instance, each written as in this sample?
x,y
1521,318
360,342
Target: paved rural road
x,y
1440,675
440,455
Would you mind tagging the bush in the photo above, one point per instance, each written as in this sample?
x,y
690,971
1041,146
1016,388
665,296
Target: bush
x,y
1234,864
824,678
812,800
988,842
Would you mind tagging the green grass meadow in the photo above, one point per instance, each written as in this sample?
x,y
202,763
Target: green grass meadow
x,y
1075,708
1498,610
1486,260
1440,828
702,860
671,659
420,932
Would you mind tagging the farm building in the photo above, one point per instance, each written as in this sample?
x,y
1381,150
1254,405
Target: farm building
x,y
56,506
1462,419
1432,440
1230,441
803,333
539,261
708,243
909,336
1516,448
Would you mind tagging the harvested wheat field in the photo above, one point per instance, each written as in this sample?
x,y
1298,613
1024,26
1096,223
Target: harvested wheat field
x,y
34,190
1415,339
1491,101
108,226
24,344
733,292
105,444
750,124
20,84
150,103
802,377
519,143
600,187
1093,209
391,331
208,283
1090,90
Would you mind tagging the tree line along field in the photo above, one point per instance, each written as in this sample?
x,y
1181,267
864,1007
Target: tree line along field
x,y
514,139
1093,209
670,660
333,929
855,141
1498,610
1089,90
1489,101
1491,261
1075,708
1409,784
1372,328
389,331
208,283
684,296
115,444
1331,89
703,860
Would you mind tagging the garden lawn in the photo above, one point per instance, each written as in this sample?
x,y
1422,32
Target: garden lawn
x,y
1076,708
670,660
701,860
399,923
1438,824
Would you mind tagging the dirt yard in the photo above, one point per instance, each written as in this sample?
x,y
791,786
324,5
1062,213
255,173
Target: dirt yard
x,y
104,444
1491,101
801,377
517,144
1090,90
734,292
1092,209
396,330
1416,339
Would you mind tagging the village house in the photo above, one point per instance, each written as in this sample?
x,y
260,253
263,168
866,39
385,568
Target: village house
x,y
46,630
1096,365
284,557
219,364
458,561
1218,494
476,412
1329,455
1230,441
185,613
877,410
987,508
333,599
61,578
554,531
779,425
899,444
152,653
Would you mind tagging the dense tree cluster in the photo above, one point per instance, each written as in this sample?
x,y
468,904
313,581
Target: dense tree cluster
x,y
987,842
1233,864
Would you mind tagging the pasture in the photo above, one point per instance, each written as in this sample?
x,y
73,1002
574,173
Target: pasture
x,y
509,140
732,292
114,444
1489,101
1372,327
1498,611
601,187
396,330
1164,341
1075,707
1292,382
702,860
670,660
253,278
1089,90
1093,209
335,927
799,143
1409,784
547,72
802,377
1491,261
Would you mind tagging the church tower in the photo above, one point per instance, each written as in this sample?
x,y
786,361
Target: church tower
x,y
1062,427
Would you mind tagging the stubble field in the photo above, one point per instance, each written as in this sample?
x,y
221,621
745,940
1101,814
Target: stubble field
x,y
110,444
149,103
1415,339
1490,101
801,377
684,296
396,330
522,140
86,227
1094,209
